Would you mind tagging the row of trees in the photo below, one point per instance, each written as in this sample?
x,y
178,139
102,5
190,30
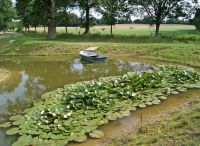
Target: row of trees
x,y
7,12
58,12
167,21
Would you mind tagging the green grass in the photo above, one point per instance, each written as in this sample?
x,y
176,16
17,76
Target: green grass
x,y
180,128
175,44
130,29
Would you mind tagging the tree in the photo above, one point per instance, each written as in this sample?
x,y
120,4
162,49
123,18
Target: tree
x,y
7,13
39,15
51,9
112,10
86,6
158,10
24,12
196,20
67,19
63,14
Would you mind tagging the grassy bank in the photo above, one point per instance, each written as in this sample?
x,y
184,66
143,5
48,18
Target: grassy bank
x,y
174,44
180,128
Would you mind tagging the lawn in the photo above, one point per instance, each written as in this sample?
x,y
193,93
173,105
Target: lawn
x,y
177,43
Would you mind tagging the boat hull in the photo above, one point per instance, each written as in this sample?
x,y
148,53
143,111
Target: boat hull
x,y
98,58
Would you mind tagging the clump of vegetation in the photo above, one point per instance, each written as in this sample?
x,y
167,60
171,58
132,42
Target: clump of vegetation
x,y
69,113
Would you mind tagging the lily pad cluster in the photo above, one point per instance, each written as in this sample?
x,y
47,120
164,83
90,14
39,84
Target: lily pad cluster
x,y
76,111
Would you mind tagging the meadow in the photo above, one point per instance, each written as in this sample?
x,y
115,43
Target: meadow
x,y
127,29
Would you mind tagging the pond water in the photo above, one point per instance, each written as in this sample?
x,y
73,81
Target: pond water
x,y
33,76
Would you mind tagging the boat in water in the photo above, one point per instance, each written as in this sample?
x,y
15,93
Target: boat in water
x,y
91,56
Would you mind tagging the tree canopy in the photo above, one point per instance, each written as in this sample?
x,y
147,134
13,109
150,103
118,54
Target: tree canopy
x,y
7,13
112,10
158,10
52,13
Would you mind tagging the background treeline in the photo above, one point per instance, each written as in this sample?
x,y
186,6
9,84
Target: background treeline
x,y
53,13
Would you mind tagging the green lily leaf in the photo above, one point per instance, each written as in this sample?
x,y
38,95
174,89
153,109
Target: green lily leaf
x,y
80,138
5,125
162,97
12,131
96,134
15,118
142,105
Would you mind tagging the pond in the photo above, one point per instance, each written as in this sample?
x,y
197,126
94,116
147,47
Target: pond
x,y
33,76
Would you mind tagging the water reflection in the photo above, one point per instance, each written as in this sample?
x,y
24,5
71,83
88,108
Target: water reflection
x,y
138,66
77,66
121,65
17,92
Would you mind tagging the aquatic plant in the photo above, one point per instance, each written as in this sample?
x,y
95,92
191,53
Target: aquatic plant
x,y
76,111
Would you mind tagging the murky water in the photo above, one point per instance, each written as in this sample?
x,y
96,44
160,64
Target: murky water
x,y
32,76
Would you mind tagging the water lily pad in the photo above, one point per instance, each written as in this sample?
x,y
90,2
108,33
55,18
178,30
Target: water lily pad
x,y
96,134
180,89
23,141
14,118
12,131
142,105
125,113
133,109
149,103
162,97
136,104
45,136
112,116
19,121
58,137
5,125
80,138
156,102
36,142
103,122
55,142
34,132
174,92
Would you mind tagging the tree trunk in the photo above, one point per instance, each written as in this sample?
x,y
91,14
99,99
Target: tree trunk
x,y
51,21
66,30
111,29
44,29
35,28
87,18
157,28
